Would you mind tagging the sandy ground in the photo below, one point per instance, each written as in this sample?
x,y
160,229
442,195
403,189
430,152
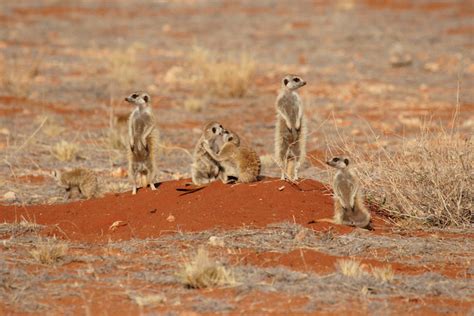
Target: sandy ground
x,y
65,69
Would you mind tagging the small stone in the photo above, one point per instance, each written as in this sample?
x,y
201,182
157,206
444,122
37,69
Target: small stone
x,y
171,218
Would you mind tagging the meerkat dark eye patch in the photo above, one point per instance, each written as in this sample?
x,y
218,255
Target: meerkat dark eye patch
x,y
145,98
335,159
285,82
214,129
346,161
296,80
231,138
134,95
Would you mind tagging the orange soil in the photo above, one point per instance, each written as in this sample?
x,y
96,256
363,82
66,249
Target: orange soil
x,y
215,206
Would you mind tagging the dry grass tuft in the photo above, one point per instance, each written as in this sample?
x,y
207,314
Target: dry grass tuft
x,y
267,161
65,151
194,105
147,300
383,274
203,272
425,180
116,139
122,65
117,187
221,76
49,252
18,73
18,228
350,268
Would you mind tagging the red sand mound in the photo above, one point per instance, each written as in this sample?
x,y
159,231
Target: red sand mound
x,y
151,213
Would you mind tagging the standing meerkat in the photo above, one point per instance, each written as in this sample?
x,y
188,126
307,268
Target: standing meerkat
x,y
290,129
143,140
236,161
204,168
84,180
349,208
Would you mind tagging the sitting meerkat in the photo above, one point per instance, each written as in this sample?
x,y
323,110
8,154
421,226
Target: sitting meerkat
x,y
349,208
290,129
236,161
143,140
84,180
204,168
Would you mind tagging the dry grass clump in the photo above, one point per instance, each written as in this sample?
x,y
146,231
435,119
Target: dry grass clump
x,y
18,228
194,104
383,274
425,180
116,139
147,300
122,65
204,272
267,161
350,268
207,73
17,74
49,252
65,151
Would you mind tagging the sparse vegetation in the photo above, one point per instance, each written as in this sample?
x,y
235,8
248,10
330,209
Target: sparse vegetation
x,y
122,65
383,274
194,104
65,151
204,272
50,251
18,228
18,73
116,139
425,180
351,268
208,73
147,300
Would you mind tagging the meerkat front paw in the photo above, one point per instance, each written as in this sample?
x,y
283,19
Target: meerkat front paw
x,y
152,186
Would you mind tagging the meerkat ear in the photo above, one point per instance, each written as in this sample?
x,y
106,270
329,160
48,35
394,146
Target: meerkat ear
x,y
146,98
285,81
346,161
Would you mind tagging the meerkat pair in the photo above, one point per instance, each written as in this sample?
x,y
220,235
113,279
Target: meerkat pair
x,y
218,154
290,129
236,161
349,208
143,141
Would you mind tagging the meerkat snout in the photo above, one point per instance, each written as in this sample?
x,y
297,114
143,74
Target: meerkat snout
x,y
138,98
293,82
338,162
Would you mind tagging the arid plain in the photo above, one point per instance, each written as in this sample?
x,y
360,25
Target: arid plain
x,y
390,83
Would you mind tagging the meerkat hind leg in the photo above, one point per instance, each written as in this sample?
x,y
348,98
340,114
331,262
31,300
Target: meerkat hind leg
x,y
290,169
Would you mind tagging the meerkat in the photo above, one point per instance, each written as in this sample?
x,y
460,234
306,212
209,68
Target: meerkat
x,y
204,168
84,180
349,208
143,140
236,161
290,130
